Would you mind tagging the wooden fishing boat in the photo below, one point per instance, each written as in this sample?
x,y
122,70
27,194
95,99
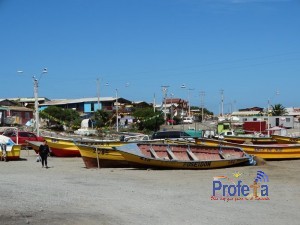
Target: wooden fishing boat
x,y
12,153
95,156
174,156
271,151
250,140
66,147
100,156
35,145
8,149
286,140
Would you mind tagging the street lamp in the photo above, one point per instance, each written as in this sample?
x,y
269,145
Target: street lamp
x,y
172,122
189,105
36,104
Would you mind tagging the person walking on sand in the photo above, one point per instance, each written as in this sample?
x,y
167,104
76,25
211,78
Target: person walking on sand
x,y
43,152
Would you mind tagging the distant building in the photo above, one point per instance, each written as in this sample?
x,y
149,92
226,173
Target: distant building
x,y
12,113
179,106
28,102
293,111
86,106
255,108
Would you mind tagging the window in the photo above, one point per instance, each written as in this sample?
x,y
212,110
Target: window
x,y
288,120
254,119
244,119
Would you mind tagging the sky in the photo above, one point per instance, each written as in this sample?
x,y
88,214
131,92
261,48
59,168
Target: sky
x,y
249,50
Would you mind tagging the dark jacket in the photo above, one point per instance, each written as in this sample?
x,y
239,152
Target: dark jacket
x,y
44,150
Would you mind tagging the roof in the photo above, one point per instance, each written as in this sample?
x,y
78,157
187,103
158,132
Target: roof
x,y
165,105
82,100
26,99
293,111
175,100
19,108
246,113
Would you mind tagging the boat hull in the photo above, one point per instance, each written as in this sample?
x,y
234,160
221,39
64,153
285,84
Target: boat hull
x,y
141,162
61,147
275,151
12,154
101,157
182,156
35,145
250,140
286,140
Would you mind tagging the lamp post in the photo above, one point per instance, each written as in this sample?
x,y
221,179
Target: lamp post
x,y
202,94
98,92
36,103
189,105
222,102
165,90
172,122
117,121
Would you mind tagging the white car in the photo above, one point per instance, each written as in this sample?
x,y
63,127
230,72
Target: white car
x,y
188,120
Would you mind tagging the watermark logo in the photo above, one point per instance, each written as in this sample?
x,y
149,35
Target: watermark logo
x,y
233,189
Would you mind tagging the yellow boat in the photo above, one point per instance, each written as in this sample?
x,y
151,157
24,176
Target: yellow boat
x,y
286,140
250,140
174,156
35,145
104,156
99,156
12,153
271,151
66,147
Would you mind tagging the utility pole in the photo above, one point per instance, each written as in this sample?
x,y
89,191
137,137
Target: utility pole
x,y
202,94
189,89
172,95
165,90
222,102
117,106
36,103
98,92
154,102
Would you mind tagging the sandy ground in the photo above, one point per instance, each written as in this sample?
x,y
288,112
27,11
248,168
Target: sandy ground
x,y
68,193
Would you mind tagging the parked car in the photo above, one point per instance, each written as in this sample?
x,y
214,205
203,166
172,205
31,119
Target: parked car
x,y
172,135
22,137
170,121
188,119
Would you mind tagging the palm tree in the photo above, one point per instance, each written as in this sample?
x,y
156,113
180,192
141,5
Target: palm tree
x,y
278,110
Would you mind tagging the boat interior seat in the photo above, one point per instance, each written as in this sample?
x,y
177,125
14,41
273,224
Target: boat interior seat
x,y
192,155
171,154
226,155
153,153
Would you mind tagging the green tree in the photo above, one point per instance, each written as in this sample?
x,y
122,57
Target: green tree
x,y
278,110
71,118
59,117
101,118
147,119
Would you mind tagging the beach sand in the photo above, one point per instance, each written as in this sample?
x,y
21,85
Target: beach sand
x,y
68,193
